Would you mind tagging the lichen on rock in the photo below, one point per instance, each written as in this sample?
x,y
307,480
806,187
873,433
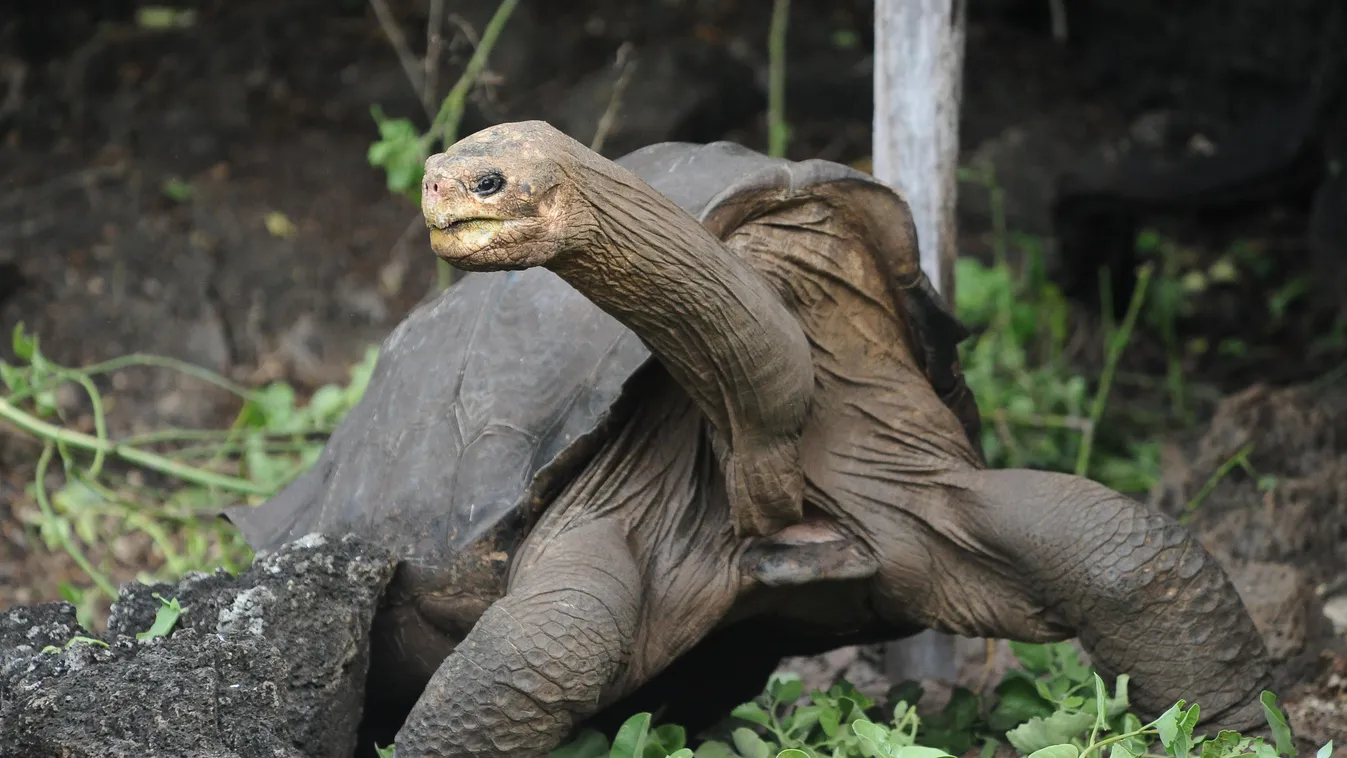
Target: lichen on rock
x,y
270,663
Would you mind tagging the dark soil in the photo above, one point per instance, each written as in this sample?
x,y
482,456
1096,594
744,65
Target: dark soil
x,y
1215,123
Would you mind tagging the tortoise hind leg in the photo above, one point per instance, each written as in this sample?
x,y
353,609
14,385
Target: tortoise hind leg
x,y
1037,556
539,659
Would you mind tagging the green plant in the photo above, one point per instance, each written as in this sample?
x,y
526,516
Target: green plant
x,y
1036,407
1052,707
170,483
1175,283
164,619
402,149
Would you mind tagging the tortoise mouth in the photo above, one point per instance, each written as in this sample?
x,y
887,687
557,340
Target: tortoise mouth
x,y
470,243
468,223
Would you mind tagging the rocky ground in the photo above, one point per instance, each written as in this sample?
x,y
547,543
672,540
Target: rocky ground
x,y
264,109
269,663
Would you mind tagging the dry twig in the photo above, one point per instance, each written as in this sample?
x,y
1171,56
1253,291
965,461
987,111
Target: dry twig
x,y
624,64
434,41
404,51
451,111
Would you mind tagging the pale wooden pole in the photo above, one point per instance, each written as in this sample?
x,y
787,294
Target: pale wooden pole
x,y
918,82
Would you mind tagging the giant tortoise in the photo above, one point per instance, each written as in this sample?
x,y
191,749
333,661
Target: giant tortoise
x,y
551,451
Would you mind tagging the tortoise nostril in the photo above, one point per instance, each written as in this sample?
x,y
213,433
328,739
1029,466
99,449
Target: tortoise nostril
x,y
435,187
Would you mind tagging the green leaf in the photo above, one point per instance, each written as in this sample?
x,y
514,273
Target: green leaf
x,y
1101,702
752,712
71,594
164,619
802,719
852,700
952,729
45,402
1167,726
1225,745
1183,744
874,738
962,709
589,743
792,752
748,744
1276,720
908,690
1033,657
177,190
1038,732
160,18
1134,745
713,749
1326,751
384,752
918,751
1118,704
13,377
1176,729
1018,701
682,752
631,737
785,687
1056,751
24,346
400,151
1067,661
830,718
671,737
327,405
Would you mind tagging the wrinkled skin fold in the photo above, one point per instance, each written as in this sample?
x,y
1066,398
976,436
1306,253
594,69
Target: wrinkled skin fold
x,y
637,559
638,256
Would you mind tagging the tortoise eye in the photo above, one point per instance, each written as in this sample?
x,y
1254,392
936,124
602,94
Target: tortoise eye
x,y
488,184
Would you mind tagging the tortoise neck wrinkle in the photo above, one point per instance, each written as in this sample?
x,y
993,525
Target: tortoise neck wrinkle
x,y
664,276
711,320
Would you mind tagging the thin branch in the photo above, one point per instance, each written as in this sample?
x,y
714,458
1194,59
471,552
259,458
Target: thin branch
x,y
484,89
464,28
396,38
434,41
145,459
63,531
14,73
778,132
451,111
1057,8
625,65
1117,342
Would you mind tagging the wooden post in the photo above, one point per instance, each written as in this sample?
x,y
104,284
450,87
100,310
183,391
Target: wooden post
x,y
919,51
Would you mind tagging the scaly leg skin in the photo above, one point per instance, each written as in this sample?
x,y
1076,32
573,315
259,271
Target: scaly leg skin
x,y
1037,557
539,660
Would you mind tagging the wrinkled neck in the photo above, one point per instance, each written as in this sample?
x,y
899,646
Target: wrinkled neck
x,y
705,314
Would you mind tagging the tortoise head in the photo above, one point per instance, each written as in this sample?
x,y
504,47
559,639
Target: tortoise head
x,y
498,199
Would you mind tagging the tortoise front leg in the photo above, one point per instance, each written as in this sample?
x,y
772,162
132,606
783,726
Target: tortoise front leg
x,y
1037,556
539,659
